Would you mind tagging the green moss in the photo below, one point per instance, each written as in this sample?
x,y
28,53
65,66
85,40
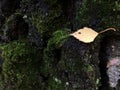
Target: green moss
x,y
98,83
53,47
37,21
99,14
49,21
21,66
58,38
55,84
89,68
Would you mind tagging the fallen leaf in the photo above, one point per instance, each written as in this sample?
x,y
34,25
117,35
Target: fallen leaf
x,y
87,35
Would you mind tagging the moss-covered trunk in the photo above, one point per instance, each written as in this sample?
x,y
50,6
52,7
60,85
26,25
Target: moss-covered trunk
x,y
39,52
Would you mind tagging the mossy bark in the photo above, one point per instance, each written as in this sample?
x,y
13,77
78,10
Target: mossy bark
x,y
78,66
68,64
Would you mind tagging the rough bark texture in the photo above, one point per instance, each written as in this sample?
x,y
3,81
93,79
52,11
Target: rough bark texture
x,y
79,65
109,53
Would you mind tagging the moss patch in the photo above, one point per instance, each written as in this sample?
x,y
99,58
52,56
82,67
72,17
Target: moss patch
x,y
21,66
52,52
55,83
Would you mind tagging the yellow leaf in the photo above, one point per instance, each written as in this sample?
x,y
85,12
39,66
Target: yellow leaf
x,y
87,35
